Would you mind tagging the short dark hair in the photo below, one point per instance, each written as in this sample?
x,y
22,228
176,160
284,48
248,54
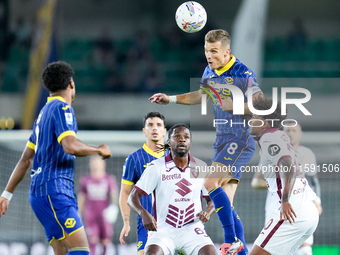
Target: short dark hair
x,y
153,115
176,126
218,35
57,76
265,103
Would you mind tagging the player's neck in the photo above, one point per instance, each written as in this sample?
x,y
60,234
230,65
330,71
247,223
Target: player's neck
x,y
227,60
153,146
180,162
64,95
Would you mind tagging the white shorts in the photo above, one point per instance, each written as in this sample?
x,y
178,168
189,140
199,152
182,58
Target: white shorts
x,y
282,238
310,240
189,239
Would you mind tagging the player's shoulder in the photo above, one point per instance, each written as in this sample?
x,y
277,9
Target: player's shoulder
x,y
242,68
135,154
158,162
58,105
207,72
197,161
274,136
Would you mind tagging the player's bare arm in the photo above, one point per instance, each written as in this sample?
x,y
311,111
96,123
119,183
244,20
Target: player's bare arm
x,y
125,211
191,98
149,222
75,147
204,215
287,213
18,174
258,182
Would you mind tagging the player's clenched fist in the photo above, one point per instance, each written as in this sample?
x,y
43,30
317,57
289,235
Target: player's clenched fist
x,y
203,216
105,151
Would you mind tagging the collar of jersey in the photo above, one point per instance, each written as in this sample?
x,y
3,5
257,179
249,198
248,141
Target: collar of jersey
x,y
56,97
227,66
152,153
268,130
170,163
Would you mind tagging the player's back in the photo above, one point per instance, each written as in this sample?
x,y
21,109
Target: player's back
x,y
53,169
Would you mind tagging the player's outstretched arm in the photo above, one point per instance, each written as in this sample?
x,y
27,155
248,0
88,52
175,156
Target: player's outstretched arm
x,y
75,147
149,222
125,211
18,174
191,98
287,213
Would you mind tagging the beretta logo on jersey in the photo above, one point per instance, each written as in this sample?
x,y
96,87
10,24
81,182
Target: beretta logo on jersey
x,y
69,118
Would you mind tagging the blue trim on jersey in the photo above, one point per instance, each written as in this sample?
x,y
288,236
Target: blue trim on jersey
x,y
53,169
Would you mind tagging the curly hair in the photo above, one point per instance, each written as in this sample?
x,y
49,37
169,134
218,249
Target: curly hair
x,y
164,147
57,76
265,103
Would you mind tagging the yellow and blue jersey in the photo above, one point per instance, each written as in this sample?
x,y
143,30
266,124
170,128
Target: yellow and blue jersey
x,y
134,167
53,169
237,74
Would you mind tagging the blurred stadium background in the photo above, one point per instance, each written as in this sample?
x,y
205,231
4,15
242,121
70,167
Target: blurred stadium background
x,y
124,51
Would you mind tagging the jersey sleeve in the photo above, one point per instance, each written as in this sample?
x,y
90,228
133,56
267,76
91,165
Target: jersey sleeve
x,y
64,122
149,179
277,150
252,87
129,171
32,140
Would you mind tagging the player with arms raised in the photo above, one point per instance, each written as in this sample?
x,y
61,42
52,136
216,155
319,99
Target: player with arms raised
x,y
52,147
135,164
233,147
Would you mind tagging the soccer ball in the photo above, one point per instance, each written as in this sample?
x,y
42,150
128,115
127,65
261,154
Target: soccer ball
x,y
191,17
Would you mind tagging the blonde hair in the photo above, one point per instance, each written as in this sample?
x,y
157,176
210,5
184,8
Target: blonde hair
x,y
218,35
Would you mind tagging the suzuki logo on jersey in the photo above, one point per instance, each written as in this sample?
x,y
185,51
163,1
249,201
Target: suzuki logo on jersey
x,y
183,187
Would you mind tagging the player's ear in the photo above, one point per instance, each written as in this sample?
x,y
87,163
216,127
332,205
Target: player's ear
x,y
144,131
71,84
227,50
